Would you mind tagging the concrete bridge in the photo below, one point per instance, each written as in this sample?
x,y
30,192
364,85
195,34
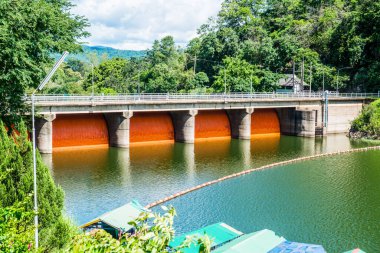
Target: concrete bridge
x,y
300,114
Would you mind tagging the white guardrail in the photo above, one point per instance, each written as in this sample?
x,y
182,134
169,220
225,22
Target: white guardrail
x,y
195,97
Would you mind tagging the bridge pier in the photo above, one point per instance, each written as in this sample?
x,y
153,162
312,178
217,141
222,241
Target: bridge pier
x,y
44,133
305,121
297,121
184,125
240,123
118,128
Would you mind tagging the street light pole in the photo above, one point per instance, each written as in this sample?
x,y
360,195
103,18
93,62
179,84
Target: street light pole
x,y
40,87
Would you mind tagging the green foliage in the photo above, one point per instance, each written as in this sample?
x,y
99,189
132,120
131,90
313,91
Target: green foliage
x,y
16,161
57,236
110,74
30,30
66,80
200,80
166,68
153,232
96,241
367,124
16,188
237,75
327,35
16,228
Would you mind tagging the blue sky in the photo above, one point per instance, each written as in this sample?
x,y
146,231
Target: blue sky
x,y
135,24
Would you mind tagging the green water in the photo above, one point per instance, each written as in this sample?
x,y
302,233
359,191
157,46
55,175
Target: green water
x,y
99,180
332,201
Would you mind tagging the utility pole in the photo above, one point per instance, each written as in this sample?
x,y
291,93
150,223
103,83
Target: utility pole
x,y
294,76
302,72
323,80
311,66
251,84
92,78
225,82
195,63
138,83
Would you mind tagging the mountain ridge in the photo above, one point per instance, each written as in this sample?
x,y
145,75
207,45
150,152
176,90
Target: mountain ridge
x,y
108,52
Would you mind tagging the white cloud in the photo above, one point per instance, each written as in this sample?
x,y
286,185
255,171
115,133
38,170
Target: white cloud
x,y
135,24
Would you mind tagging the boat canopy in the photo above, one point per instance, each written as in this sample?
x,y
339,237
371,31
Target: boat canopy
x,y
119,217
257,242
219,233
266,241
295,247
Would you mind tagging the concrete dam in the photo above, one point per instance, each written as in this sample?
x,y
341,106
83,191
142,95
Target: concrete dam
x,y
92,129
121,121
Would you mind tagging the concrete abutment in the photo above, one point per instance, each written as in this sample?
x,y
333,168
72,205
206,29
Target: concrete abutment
x,y
298,121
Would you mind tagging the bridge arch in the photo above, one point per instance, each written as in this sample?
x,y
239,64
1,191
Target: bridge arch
x,y
79,130
265,121
212,124
151,126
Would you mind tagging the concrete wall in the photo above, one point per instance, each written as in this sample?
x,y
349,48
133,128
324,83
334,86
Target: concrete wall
x,y
341,115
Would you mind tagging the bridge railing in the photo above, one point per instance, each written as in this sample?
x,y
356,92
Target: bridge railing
x,y
195,97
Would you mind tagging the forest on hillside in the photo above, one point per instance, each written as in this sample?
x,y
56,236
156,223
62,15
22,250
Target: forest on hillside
x,y
250,42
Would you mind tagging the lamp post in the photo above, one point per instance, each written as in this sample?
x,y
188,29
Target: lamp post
x,y
40,87
338,77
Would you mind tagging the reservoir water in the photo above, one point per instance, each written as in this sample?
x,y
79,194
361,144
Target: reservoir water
x,y
331,202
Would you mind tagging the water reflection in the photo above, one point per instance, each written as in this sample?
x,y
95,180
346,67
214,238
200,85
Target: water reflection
x,y
100,179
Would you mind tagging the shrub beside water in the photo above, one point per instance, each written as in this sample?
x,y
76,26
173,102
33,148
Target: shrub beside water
x,y
57,233
367,124
16,198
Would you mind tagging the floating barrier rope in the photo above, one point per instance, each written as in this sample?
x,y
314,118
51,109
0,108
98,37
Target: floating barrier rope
x,y
244,172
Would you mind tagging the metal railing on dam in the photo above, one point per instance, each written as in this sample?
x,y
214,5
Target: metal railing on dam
x,y
195,97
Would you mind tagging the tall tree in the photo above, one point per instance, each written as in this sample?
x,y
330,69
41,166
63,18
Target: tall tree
x,y
30,31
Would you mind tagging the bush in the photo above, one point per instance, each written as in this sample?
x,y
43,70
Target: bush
x,y
153,233
367,124
16,228
16,186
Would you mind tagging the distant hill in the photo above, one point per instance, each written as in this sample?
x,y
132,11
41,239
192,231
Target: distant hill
x,y
109,51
